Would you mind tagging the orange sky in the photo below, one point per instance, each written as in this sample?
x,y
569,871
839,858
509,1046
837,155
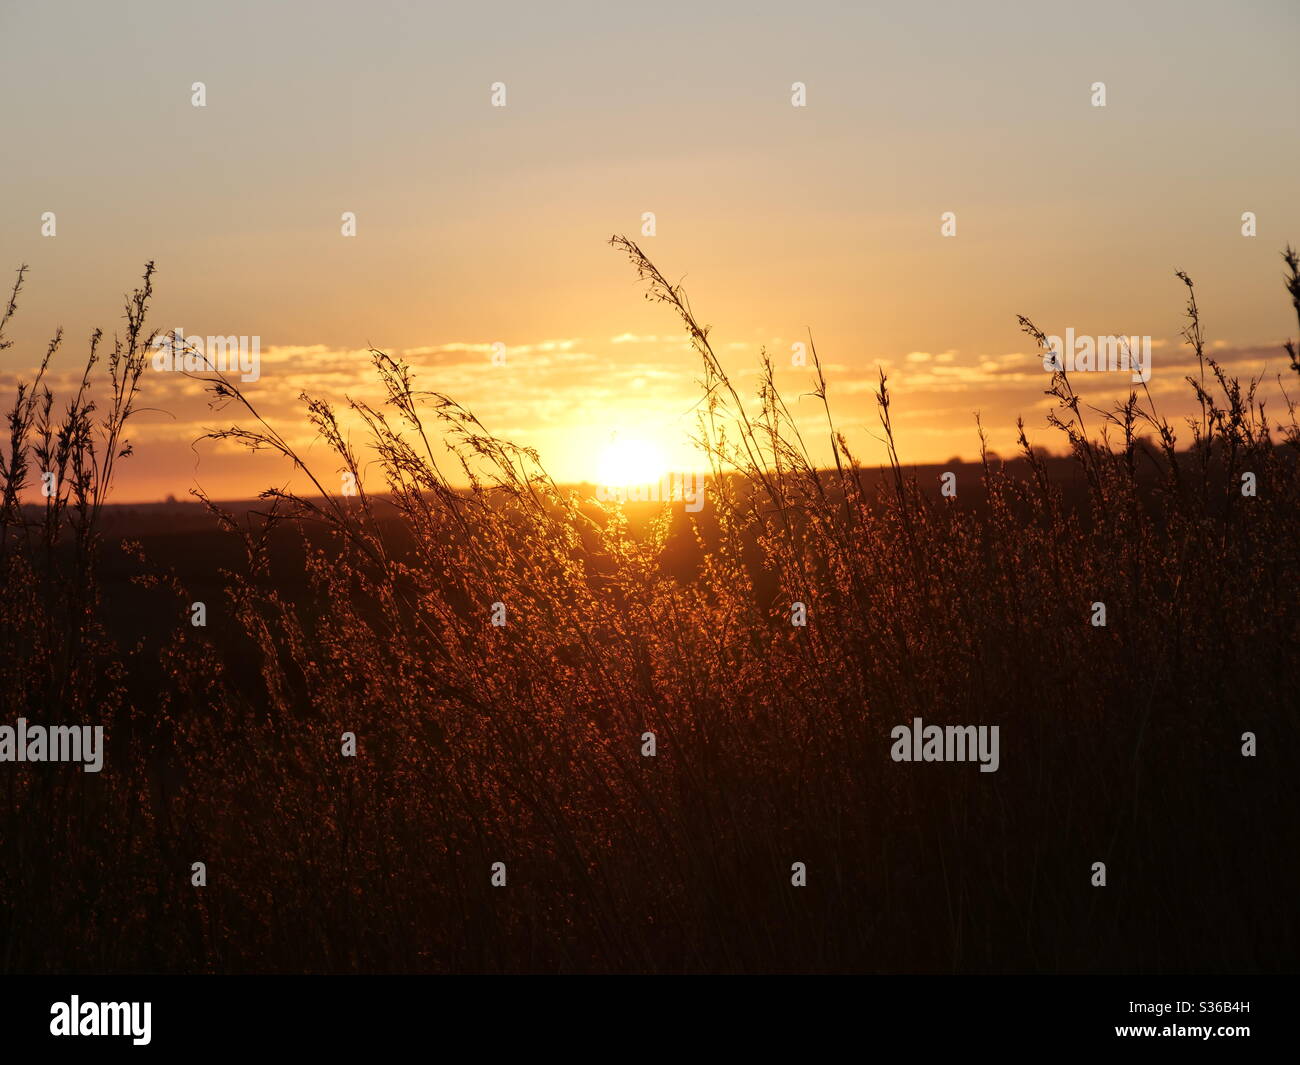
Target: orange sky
x,y
481,225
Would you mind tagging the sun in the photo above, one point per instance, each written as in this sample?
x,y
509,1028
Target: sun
x,y
628,462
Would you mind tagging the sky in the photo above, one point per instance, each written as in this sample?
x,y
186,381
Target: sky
x,y
483,228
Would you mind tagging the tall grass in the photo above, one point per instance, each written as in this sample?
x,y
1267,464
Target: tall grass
x,y
522,743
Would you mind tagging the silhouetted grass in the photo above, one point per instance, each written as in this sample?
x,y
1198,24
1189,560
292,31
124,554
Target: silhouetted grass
x,y
522,743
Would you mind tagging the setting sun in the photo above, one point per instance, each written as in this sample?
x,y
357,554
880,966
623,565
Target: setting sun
x,y
631,462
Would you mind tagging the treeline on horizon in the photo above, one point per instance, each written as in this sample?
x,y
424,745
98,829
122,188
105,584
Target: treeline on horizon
x,y
522,743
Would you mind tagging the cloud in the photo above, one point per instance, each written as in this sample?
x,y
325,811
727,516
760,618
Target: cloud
x,y
558,394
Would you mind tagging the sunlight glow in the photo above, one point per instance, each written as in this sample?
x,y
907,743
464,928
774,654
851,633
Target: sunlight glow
x,y
631,462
